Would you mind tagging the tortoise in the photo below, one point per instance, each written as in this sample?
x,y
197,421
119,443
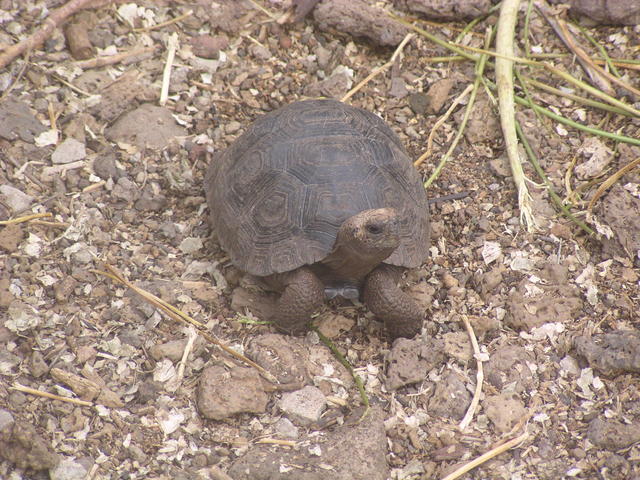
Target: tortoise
x,y
320,199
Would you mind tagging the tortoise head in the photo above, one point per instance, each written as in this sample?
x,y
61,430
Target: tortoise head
x,y
371,232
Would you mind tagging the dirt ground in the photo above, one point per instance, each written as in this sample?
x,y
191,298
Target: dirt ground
x,y
555,311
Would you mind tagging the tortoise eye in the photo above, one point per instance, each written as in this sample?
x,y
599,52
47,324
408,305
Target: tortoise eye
x,y
374,229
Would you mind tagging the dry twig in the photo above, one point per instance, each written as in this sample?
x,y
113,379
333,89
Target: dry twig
x,y
378,70
113,59
479,376
38,38
485,457
182,317
611,180
440,122
172,46
26,218
40,393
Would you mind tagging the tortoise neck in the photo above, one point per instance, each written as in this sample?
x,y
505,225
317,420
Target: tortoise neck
x,y
348,263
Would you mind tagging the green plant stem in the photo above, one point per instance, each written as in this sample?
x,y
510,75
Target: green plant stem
x,y
575,98
445,158
343,361
557,200
527,45
475,21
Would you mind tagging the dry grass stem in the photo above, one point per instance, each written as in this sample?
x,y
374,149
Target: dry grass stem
x,y
40,393
440,122
479,376
485,457
380,69
608,183
277,441
504,81
26,218
177,19
113,59
172,46
585,58
182,317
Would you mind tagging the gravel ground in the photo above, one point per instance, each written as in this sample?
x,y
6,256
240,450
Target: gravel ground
x,y
555,311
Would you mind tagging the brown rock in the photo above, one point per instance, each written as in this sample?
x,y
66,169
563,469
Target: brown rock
x,y
504,410
359,18
612,353
209,46
409,361
21,445
446,9
10,237
354,451
609,12
451,398
222,393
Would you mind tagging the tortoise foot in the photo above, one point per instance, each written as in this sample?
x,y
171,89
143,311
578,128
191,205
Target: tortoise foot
x,y
401,315
302,296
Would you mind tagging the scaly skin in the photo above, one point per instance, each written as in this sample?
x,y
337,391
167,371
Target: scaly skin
x,y
401,315
302,296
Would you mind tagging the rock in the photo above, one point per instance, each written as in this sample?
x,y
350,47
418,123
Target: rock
x,y
409,361
609,12
458,346
333,325
69,469
15,199
17,121
419,103
304,405
398,88
125,190
483,124
359,18
356,450
174,349
438,94
150,202
104,166
283,356
508,367
611,353
38,365
6,297
451,398
209,46
63,289
612,434
504,410
10,237
21,445
148,126
446,10
190,245
68,151
222,394
534,304
619,210
334,86
286,429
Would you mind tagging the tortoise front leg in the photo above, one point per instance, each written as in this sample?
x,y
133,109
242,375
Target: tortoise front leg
x,y
401,315
303,295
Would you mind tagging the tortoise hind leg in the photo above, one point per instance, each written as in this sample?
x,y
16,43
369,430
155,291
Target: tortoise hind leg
x,y
401,315
303,294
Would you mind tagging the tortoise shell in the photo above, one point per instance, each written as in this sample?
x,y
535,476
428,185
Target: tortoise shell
x,y
280,192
